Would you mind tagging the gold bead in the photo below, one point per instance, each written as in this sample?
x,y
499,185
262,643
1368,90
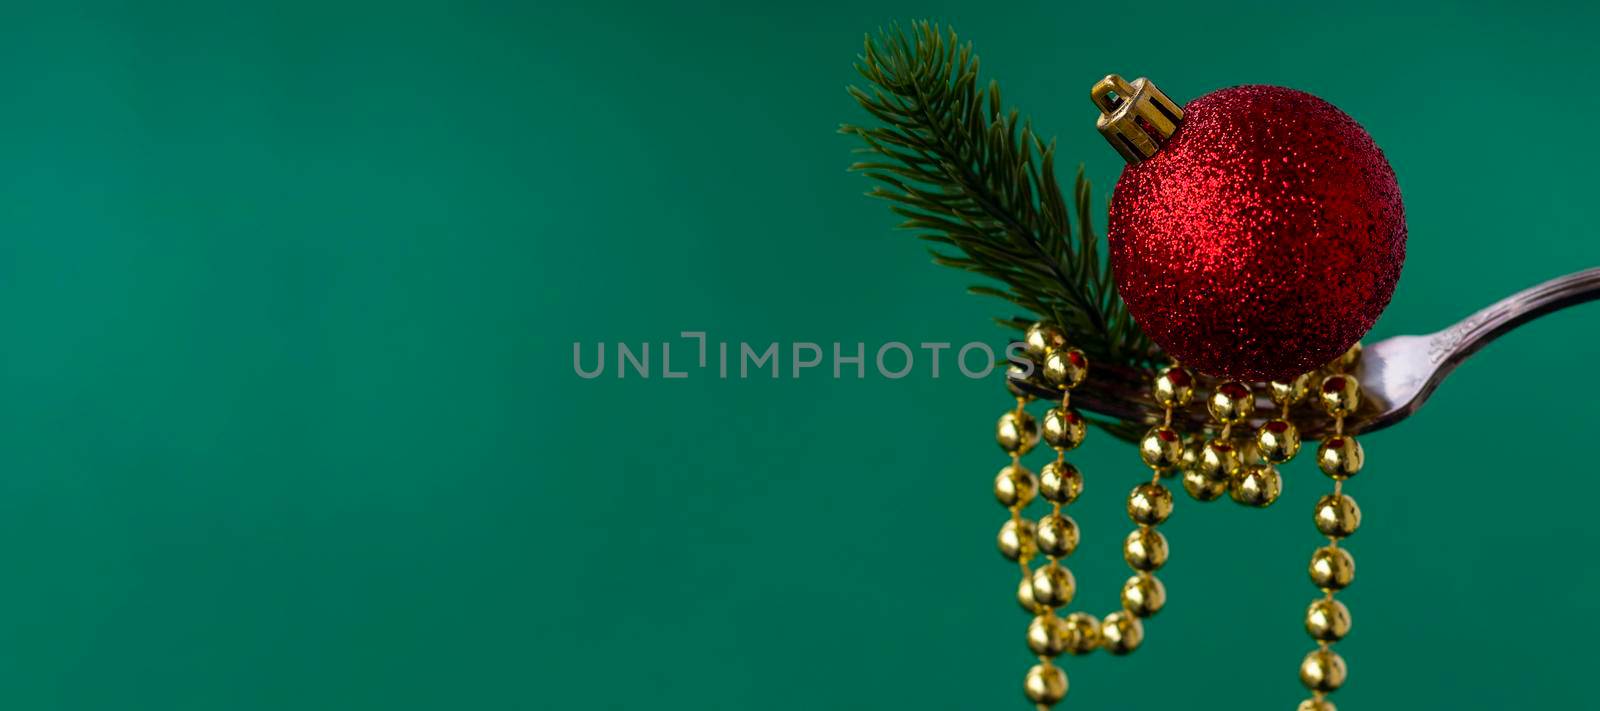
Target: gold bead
x,y
1316,705
1045,684
1015,545
1060,482
1145,549
1323,670
1025,596
1085,636
1174,387
1256,486
1291,392
1232,402
1057,535
1219,461
1143,595
1327,620
1014,486
1064,428
1161,448
1337,515
1040,338
1332,568
1202,489
1149,503
1065,367
1053,585
1049,635
1121,633
1016,432
1278,441
1340,394
1340,457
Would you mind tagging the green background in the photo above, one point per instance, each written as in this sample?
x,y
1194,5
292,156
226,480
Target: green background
x,y
290,292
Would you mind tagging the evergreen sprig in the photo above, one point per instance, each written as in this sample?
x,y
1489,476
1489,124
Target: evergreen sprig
x,y
967,174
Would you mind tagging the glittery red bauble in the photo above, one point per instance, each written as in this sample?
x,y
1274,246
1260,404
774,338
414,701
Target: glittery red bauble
x,y
1263,239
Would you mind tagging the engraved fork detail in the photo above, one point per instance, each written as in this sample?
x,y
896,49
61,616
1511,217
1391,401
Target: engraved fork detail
x,y
1401,372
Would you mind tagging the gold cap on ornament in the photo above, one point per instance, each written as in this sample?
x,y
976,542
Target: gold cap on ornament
x,y
1136,118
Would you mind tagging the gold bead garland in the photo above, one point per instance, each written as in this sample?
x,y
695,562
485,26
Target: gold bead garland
x,y
1057,534
1149,504
1015,485
1336,516
1278,440
1207,467
1210,468
1014,488
1219,465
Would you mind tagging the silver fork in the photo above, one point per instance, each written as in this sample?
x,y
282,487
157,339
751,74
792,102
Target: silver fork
x,y
1397,374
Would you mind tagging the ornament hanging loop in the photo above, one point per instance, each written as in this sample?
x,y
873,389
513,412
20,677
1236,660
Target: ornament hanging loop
x,y
1135,117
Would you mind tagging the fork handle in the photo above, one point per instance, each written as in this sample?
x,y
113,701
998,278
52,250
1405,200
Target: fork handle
x,y
1455,344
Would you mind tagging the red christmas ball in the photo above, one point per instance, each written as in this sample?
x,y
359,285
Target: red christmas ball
x,y
1262,239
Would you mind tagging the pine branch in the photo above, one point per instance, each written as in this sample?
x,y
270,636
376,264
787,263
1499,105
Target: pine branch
x,y
968,175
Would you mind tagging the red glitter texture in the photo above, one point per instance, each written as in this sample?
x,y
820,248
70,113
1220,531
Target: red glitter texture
x,y
1263,240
